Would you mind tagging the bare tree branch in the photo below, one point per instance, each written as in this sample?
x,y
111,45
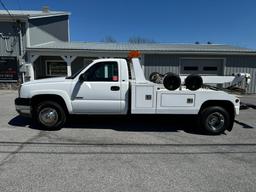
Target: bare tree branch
x,y
140,40
109,39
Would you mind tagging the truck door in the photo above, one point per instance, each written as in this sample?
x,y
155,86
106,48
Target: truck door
x,y
100,91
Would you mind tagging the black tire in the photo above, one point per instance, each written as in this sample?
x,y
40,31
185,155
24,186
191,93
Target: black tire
x,y
215,120
51,112
171,81
193,82
155,77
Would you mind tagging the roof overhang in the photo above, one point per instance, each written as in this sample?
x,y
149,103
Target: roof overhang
x,y
9,19
46,16
26,15
59,51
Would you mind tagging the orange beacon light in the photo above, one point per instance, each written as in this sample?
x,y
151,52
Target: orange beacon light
x,y
134,54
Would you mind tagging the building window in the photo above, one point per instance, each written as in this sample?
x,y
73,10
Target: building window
x,y
56,68
190,68
8,69
210,69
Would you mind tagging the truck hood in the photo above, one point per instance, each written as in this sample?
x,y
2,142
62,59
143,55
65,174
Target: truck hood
x,y
48,80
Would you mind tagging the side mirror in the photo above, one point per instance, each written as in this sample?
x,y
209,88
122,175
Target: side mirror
x,y
82,77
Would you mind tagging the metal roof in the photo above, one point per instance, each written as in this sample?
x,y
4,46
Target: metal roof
x,y
30,14
152,47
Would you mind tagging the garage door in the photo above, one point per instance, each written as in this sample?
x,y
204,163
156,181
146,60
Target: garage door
x,y
201,66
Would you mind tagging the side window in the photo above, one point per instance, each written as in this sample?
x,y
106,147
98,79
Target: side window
x,y
104,71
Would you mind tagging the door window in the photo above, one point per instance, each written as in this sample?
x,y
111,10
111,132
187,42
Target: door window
x,y
103,71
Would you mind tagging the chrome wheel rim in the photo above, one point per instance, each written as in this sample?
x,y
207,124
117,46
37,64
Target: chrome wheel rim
x,y
48,116
216,121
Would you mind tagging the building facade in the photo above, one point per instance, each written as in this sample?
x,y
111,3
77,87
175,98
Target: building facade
x,y
180,59
47,52
24,29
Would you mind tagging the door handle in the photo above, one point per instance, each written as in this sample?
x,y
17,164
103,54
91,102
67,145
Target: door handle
x,y
114,88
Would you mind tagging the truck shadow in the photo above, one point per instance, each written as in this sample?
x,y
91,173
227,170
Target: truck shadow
x,y
137,123
134,123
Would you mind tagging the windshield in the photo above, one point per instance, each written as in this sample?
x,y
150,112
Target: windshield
x,y
75,74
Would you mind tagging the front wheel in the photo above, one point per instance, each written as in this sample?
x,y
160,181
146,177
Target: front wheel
x,y
215,120
49,115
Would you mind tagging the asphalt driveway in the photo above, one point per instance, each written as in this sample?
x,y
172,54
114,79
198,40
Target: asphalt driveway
x,y
125,154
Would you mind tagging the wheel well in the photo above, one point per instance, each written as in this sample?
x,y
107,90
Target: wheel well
x,y
48,97
229,106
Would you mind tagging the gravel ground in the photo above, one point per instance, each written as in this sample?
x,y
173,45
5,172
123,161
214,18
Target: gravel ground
x,y
125,154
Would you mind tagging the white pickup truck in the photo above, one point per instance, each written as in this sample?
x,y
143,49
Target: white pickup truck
x,y
118,86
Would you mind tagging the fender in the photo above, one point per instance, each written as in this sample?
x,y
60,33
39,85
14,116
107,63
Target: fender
x,y
60,93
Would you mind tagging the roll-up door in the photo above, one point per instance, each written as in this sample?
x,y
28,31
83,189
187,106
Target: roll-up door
x,y
201,66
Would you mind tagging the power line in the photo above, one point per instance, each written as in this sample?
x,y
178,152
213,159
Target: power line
x,y
17,23
6,9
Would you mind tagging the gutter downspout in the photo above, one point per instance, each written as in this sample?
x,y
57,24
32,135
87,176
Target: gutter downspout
x,y
21,49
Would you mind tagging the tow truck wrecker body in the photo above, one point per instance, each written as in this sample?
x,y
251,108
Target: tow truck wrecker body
x,y
115,86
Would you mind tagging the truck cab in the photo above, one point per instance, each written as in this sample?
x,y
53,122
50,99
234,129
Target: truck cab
x,y
101,88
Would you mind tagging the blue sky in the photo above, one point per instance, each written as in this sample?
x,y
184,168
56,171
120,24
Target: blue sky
x,y
165,21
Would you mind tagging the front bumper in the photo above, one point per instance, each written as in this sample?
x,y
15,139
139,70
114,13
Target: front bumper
x,y
237,109
23,106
